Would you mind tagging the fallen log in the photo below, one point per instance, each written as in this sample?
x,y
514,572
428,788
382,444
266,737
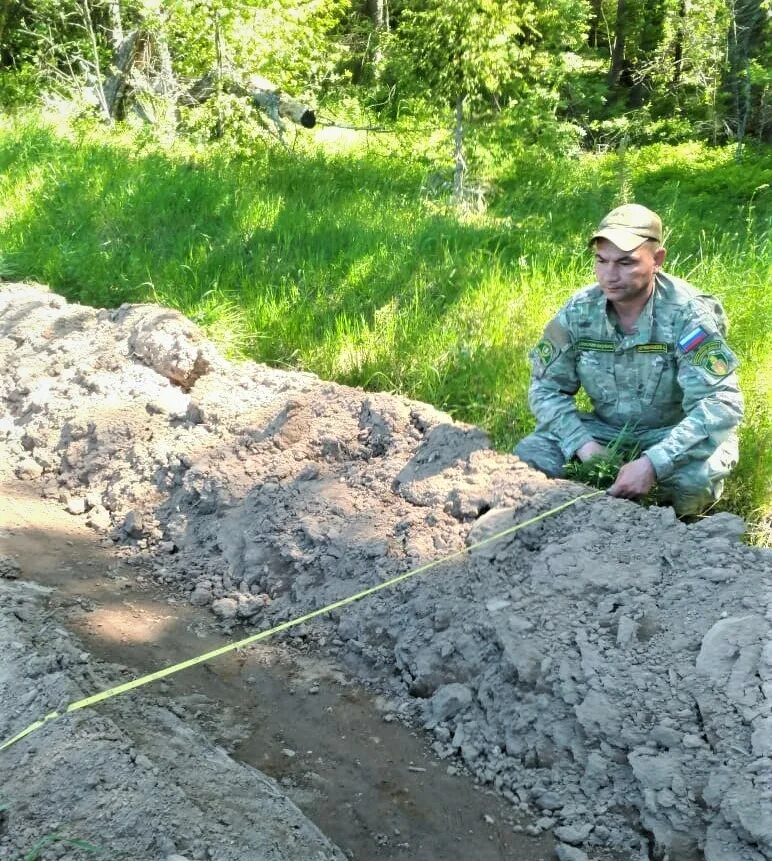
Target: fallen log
x,y
263,93
141,68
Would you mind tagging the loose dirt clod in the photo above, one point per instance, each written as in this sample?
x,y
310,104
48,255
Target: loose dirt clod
x,y
609,668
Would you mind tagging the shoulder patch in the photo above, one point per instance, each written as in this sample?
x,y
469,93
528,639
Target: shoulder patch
x,y
715,358
692,340
545,351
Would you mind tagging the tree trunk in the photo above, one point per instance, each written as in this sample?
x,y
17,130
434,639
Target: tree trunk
x,y
116,23
115,84
678,48
10,12
88,23
265,94
142,70
378,13
593,23
746,27
458,153
219,48
618,48
167,83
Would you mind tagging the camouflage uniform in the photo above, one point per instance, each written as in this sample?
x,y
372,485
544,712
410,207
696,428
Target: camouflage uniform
x,y
671,384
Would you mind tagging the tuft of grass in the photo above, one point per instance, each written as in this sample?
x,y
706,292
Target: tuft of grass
x,y
601,470
34,854
332,258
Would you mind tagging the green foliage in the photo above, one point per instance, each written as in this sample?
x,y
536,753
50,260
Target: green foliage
x,y
697,70
49,47
335,260
292,44
462,50
483,50
601,470
639,128
227,117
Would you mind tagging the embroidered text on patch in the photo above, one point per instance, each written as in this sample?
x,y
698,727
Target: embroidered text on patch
x,y
652,348
692,339
590,344
715,358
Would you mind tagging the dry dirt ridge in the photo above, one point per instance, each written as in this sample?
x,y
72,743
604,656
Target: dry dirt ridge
x,y
609,667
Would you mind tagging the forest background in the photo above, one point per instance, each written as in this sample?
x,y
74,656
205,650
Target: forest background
x,y
394,194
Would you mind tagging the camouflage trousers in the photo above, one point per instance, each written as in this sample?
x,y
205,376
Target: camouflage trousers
x,y
690,489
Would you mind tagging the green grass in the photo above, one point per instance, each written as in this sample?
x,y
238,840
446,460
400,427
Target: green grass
x,y
332,259
601,471
35,853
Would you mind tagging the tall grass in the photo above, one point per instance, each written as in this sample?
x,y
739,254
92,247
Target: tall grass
x,y
334,258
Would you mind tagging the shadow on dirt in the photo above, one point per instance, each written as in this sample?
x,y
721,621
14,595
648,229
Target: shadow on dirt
x,y
368,783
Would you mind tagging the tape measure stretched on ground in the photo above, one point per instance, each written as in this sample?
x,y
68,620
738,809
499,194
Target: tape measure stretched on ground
x,y
299,620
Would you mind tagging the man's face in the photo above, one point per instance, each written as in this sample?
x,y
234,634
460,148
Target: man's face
x,y
626,276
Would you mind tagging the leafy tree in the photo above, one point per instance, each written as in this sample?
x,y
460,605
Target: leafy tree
x,y
748,61
481,52
69,43
289,42
704,61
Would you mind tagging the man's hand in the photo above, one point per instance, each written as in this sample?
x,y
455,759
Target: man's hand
x,y
591,449
635,479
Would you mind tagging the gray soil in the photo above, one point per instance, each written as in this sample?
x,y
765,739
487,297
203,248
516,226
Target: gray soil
x,y
370,784
607,672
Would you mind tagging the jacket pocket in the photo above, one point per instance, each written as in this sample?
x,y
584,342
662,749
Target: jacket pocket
x,y
661,384
596,374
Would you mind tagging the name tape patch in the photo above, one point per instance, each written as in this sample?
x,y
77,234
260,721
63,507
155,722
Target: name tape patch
x,y
590,344
652,348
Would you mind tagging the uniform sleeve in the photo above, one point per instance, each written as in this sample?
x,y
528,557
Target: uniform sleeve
x,y
554,383
711,395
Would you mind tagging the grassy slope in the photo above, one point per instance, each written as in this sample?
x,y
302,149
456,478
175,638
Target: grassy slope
x,y
331,259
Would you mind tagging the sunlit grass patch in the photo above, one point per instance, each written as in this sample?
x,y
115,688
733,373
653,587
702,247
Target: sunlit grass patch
x,y
335,259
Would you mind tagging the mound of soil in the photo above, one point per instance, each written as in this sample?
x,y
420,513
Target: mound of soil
x,y
609,667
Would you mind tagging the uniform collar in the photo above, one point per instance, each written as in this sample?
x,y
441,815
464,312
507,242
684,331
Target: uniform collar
x,y
644,324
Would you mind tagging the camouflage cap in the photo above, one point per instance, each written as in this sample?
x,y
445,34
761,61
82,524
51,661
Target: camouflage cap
x,y
629,226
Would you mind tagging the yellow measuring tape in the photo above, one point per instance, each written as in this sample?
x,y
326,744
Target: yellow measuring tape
x,y
262,635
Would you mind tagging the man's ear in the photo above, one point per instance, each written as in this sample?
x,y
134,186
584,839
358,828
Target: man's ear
x,y
659,257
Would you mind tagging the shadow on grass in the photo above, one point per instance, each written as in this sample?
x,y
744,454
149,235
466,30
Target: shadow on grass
x,y
112,225
315,253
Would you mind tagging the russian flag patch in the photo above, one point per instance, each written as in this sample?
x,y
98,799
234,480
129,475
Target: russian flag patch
x,y
692,339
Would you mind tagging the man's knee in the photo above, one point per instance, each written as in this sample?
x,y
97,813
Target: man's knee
x,y
692,489
700,483
542,453
689,499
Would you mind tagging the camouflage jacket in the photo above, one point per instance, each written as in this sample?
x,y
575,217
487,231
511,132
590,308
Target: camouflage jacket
x,y
676,371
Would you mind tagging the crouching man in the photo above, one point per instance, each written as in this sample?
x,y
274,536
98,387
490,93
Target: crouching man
x,y
651,354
